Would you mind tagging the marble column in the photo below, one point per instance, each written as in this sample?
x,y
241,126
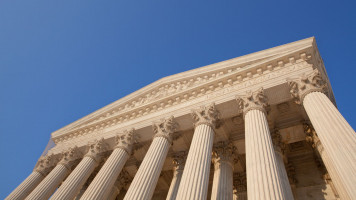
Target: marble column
x,y
240,186
336,135
195,178
123,180
223,159
44,166
75,181
145,180
178,162
330,172
279,148
105,179
49,184
264,179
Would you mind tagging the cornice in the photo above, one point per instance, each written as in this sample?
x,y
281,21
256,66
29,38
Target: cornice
x,y
187,86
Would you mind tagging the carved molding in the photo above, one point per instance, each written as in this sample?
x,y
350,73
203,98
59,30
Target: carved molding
x,y
126,140
207,115
96,148
223,84
255,100
306,84
70,155
165,128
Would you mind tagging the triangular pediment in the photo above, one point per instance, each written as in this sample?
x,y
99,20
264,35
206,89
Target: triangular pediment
x,y
184,86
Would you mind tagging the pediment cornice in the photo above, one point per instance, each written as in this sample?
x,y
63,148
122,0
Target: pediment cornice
x,y
182,87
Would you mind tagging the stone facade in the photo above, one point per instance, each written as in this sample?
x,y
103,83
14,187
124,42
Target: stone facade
x,y
260,126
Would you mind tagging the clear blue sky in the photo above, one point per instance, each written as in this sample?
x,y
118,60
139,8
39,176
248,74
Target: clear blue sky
x,y
61,60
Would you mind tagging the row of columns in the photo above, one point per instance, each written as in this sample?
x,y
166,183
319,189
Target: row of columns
x,y
266,172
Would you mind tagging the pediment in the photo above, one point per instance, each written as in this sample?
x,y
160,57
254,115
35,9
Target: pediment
x,y
185,86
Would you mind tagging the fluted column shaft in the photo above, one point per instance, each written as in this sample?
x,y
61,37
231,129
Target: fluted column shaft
x,y
49,184
145,180
173,188
222,182
26,186
104,181
195,178
336,135
71,186
264,180
283,174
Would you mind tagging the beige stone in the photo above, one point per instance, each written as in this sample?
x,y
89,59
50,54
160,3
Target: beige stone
x,y
240,102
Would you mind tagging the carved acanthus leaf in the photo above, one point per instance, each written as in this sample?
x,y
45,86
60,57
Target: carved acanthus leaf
x,y
208,115
126,140
224,151
96,148
256,100
45,164
70,155
179,159
278,144
165,128
240,182
306,84
123,180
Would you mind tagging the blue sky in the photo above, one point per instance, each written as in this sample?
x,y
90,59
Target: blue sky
x,y
61,60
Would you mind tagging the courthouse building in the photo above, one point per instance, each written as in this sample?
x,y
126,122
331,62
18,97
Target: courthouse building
x,y
259,126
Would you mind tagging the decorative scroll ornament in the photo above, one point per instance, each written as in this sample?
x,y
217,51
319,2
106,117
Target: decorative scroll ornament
x,y
96,148
70,155
256,100
278,144
126,140
208,115
45,164
306,84
240,182
179,159
223,152
165,128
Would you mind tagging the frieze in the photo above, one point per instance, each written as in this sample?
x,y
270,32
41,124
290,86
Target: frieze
x,y
209,87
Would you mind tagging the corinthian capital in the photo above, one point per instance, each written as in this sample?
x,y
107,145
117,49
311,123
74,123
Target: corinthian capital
x,y
306,84
179,159
256,100
123,180
208,115
223,152
70,155
126,140
45,164
312,138
96,148
165,128
277,141
240,182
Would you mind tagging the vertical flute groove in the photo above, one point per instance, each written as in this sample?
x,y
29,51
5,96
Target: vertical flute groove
x,y
338,139
26,186
49,184
145,180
